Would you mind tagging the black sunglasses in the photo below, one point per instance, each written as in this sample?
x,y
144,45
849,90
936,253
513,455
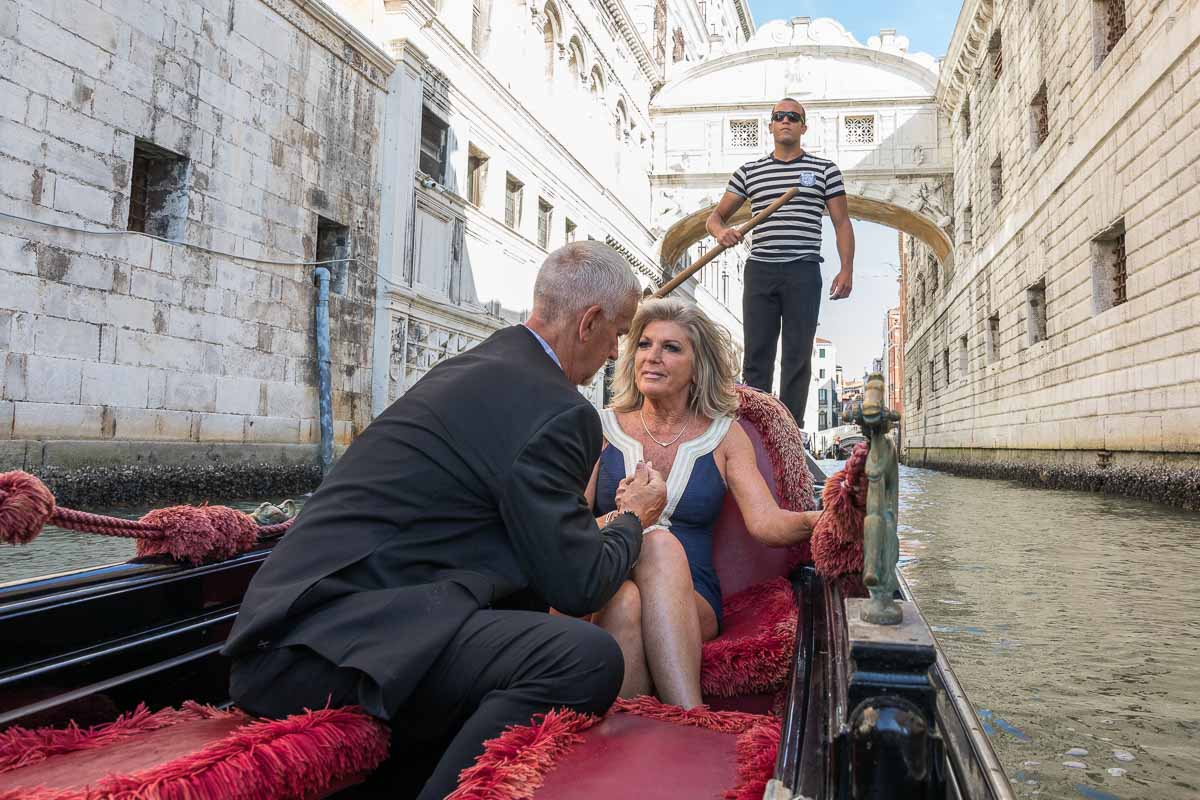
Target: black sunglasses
x,y
791,116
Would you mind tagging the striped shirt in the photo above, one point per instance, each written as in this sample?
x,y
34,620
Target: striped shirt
x,y
793,231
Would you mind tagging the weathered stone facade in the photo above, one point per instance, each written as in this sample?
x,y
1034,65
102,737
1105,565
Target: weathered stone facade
x,y
120,347
1065,337
513,128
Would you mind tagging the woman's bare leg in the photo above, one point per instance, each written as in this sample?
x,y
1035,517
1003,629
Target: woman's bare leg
x,y
671,627
622,617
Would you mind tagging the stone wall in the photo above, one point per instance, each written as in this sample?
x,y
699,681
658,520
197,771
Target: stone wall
x,y
120,347
1043,355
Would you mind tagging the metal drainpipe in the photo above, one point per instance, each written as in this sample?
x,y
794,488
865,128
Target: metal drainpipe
x,y
324,390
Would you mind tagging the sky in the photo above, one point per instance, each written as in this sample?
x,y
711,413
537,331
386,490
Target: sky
x,y
928,24
856,325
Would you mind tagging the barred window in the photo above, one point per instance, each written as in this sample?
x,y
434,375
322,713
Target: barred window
x,y
996,55
993,337
743,134
1109,270
997,173
860,129
1110,25
933,275
1035,306
513,189
545,212
966,118
1039,117
968,224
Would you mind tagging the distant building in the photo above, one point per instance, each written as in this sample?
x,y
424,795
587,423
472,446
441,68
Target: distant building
x,y
893,361
824,367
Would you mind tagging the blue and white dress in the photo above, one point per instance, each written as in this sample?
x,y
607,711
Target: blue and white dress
x,y
695,494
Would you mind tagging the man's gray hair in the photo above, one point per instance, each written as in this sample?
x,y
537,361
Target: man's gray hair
x,y
583,274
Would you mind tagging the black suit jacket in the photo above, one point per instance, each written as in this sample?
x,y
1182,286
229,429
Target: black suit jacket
x,y
468,492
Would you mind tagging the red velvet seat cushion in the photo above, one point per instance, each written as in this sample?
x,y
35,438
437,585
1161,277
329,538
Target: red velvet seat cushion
x,y
753,653
642,748
195,753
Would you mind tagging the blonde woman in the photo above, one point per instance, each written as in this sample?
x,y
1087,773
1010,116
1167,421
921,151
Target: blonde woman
x,y
674,407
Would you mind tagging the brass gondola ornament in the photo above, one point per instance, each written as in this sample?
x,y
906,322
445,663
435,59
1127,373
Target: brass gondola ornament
x,y
881,545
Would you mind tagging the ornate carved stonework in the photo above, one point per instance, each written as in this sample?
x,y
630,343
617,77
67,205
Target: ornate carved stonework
x,y
417,345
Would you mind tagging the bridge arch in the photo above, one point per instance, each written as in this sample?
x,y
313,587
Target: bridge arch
x,y
871,109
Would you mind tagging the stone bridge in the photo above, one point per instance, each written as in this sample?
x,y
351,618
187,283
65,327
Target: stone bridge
x,y
870,108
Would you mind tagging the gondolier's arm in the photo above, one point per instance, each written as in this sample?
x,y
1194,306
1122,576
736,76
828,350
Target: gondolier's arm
x,y
717,224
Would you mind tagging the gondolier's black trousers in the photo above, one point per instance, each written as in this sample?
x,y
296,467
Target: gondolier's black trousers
x,y
783,294
499,670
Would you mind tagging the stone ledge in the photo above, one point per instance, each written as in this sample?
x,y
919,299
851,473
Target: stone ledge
x,y
91,475
1166,478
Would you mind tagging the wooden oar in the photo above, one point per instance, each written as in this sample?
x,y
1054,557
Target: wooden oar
x,y
675,282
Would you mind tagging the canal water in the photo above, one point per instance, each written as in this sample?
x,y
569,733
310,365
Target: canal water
x,y
1071,619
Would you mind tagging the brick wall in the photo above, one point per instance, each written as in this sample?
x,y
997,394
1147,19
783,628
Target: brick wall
x,y
1123,144
107,335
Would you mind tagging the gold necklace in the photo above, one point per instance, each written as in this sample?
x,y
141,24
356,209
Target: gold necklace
x,y
646,428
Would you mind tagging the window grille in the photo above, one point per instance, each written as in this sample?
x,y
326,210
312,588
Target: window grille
x,y
743,134
996,54
512,202
860,129
1114,24
1109,269
476,178
993,337
1119,268
433,146
545,211
1035,299
158,196
1040,115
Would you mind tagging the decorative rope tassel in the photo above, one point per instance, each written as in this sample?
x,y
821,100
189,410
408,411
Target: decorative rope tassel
x,y
837,540
194,534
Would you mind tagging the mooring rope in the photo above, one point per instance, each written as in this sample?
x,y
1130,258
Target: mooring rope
x,y
187,533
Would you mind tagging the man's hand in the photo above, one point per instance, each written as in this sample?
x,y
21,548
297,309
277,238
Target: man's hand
x,y
842,285
644,493
729,237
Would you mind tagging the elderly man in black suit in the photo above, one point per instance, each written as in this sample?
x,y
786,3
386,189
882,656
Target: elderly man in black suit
x,y
416,580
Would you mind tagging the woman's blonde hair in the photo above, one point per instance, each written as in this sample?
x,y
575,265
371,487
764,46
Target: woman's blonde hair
x,y
714,365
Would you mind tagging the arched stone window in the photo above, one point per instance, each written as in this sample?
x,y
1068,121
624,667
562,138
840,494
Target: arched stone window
x,y
596,84
621,121
551,33
576,66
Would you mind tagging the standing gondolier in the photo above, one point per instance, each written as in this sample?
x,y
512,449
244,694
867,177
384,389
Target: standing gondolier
x,y
783,273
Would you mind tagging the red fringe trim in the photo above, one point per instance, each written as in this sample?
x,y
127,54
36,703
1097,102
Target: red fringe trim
x,y
758,662
837,540
698,717
514,764
757,750
264,760
22,747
